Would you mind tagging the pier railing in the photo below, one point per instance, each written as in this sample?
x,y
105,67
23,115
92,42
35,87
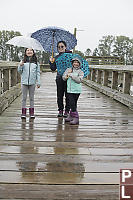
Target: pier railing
x,y
115,81
9,84
104,60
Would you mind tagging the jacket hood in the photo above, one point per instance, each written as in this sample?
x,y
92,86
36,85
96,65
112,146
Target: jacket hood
x,y
78,59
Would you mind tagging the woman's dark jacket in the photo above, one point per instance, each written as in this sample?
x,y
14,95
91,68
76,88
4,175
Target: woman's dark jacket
x,y
53,65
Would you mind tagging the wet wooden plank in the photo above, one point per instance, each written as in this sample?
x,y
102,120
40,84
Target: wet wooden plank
x,y
80,140
64,151
67,144
59,177
83,118
63,166
59,192
65,158
90,134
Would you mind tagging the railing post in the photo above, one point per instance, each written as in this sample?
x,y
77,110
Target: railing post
x,y
0,82
5,80
114,82
10,78
93,73
126,82
13,77
105,77
88,77
99,72
9,87
18,78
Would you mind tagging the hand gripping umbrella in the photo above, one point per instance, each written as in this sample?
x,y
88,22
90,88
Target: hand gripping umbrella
x,y
50,36
64,61
28,42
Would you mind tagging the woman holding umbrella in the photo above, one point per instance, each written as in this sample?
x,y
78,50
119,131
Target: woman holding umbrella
x,y
57,40
61,84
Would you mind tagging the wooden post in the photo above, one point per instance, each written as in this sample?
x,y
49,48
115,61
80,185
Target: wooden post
x,y
0,82
114,82
93,73
126,82
105,77
18,78
89,77
99,72
13,77
5,80
9,78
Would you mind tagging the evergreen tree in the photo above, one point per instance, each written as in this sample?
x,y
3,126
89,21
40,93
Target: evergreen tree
x,y
95,52
119,46
88,52
80,53
105,45
123,47
8,52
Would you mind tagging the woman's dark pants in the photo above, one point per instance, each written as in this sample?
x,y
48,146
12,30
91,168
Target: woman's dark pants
x,y
61,90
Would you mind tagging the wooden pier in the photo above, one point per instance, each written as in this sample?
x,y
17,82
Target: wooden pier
x,y
48,159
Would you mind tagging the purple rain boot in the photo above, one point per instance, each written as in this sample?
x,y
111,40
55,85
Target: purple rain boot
x,y
69,117
75,119
23,115
31,112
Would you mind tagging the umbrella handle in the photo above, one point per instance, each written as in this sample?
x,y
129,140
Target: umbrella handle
x,y
53,59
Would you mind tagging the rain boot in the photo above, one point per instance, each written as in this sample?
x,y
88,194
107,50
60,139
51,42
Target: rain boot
x,y
75,119
69,117
23,115
31,112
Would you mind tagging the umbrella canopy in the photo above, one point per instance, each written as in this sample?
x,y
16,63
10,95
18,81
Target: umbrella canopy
x,y
50,36
28,42
64,61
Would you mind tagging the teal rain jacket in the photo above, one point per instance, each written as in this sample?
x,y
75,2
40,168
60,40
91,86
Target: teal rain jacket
x,y
74,80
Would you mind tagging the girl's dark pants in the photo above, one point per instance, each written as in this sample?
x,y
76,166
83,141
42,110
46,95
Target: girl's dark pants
x,y
61,90
73,98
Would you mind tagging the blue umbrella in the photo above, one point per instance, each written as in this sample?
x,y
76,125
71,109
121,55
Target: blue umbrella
x,y
50,36
64,61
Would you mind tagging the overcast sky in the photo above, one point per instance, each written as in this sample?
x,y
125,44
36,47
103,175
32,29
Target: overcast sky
x,y
96,18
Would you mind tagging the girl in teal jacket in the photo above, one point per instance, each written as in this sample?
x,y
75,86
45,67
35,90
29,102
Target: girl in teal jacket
x,y
74,77
30,76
